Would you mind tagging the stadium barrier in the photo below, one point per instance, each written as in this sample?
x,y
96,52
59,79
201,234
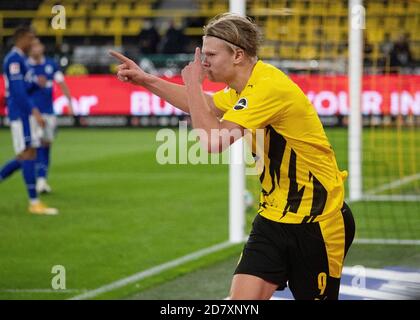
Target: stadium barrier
x,y
102,100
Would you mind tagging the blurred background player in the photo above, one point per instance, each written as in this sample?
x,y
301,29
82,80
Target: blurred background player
x,y
42,97
24,117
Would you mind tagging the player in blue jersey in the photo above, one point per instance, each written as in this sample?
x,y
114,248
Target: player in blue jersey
x,y
25,118
42,66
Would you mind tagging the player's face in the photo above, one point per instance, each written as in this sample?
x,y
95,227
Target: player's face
x,y
218,60
37,48
26,41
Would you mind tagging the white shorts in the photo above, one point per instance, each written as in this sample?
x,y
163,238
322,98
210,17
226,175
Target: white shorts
x,y
48,133
25,134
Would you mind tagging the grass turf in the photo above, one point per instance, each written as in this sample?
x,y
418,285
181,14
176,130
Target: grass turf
x,y
121,212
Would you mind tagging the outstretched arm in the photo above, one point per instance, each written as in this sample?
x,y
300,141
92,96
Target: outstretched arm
x,y
175,94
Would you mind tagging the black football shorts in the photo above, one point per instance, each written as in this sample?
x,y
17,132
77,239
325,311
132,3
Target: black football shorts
x,y
308,258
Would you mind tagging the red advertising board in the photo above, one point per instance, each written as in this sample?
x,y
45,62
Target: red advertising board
x,y
106,95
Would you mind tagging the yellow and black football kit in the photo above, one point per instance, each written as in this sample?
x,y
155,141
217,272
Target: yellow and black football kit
x,y
302,187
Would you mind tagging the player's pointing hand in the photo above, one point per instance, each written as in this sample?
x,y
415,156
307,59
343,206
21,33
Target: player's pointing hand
x,y
128,70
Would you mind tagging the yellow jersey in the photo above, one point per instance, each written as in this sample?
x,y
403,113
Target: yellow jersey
x,y
301,182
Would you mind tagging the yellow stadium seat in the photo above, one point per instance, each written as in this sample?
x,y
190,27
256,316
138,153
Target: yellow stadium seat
x,y
318,8
141,9
289,33
204,6
134,26
267,52
80,10
272,29
415,51
375,35
396,7
220,7
332,35
76,27
44,10
104,10
412,23
375,8
415,36
97,26
295,4
413,8
308,52
287,52
123,9
336,8
41,26
76,69
69,7
116,25
279,4
392,23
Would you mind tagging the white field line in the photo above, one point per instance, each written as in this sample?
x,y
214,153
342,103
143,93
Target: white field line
x,y
388,241
382,274
394,184
152,271
371,294
391,197
40,290
370,196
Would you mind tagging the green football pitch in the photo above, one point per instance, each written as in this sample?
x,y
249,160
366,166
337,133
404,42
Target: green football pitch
x,y
122,213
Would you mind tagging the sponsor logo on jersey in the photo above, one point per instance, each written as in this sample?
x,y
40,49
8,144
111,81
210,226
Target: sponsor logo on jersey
x,y
241,104
48,69
14,68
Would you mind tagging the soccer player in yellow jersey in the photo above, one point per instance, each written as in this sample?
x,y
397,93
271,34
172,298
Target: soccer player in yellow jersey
x,y
303,228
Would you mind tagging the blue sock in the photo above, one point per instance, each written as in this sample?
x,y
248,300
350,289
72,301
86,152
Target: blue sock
x,y
28,170
43,161
9,168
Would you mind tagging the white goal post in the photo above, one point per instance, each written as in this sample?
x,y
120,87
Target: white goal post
x,y
237,169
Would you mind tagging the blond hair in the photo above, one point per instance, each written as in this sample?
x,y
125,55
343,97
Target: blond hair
x,y
236,30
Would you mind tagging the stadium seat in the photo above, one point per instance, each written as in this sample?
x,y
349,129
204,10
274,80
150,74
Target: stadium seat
x,y
375,8
97,26
317,8
103,10
44,10
141,9
41,26
268,52
314,22
134,26
123,10
76,69
375,35
308,52
332,34
396,7
80,10
219,7
287,52
76,27
337,8
392,23
116,25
